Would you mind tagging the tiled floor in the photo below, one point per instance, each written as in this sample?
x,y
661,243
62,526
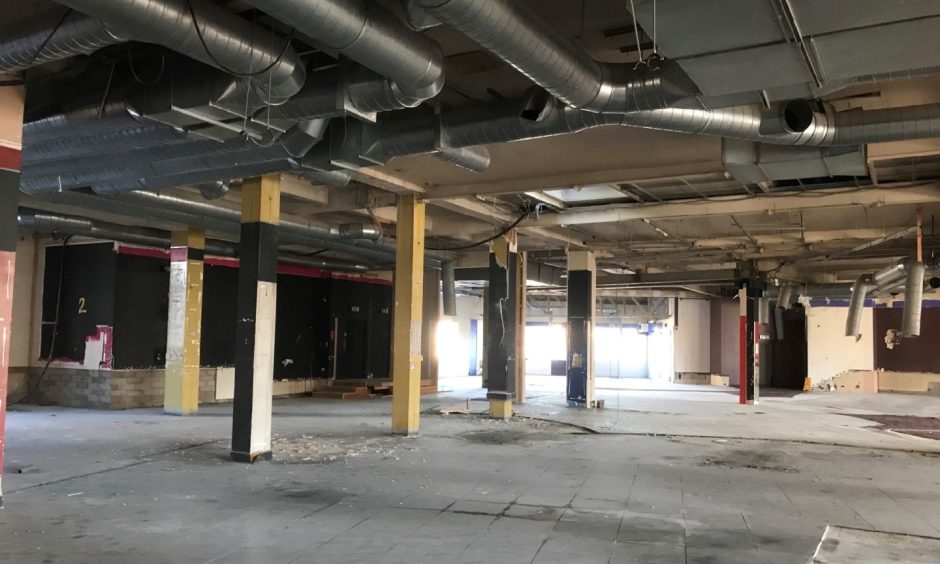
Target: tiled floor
x,y
138,486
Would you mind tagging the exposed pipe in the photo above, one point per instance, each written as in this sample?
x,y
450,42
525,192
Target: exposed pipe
x,y
218,218
515,33
43,222
784,298
32,42
370,35
853,323
356,231
214,190
232,43
913,299
448,289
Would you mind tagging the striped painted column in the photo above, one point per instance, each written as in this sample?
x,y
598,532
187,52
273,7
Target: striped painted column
x,y
257,305
184,323
11,127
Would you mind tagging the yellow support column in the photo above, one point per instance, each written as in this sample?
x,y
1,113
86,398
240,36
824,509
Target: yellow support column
x,y
406,335
184,323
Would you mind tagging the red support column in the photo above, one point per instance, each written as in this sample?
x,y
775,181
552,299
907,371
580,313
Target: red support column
x,y
11,127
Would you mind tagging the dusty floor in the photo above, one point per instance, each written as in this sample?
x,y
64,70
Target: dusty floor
x,y
138,486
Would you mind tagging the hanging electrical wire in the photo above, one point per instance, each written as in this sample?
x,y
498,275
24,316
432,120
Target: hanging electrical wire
x,y
223,66
502,232
40,49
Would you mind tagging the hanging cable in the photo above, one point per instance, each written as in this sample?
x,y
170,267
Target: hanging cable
x,y
502,232
130,64
274,63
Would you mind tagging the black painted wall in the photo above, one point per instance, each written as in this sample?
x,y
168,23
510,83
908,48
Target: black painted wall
x,y
130,294
302,343
917,354
88,286
219,315
141,298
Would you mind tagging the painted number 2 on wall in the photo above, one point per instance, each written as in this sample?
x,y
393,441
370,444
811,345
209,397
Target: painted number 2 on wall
x,y
81,306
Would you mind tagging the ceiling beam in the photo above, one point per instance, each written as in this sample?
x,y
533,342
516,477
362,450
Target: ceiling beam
x,y
567,180
757,204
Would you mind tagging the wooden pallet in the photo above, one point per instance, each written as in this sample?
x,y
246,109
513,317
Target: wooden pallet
x,y
342,392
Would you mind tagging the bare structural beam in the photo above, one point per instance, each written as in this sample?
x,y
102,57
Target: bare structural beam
x,y
535,272
755,205
686,277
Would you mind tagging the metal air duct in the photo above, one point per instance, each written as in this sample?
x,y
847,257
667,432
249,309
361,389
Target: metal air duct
x,y
53,36
913,299
372,36
448,288
513,32
860,289
232,43
43,222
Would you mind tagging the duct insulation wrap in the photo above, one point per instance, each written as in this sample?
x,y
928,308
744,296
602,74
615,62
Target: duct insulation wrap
x,y
53,36
521,37
370,35
449,288
223,39
913,299
860,289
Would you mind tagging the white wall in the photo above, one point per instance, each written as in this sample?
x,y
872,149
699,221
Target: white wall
x,y
829,351
453,346
693,336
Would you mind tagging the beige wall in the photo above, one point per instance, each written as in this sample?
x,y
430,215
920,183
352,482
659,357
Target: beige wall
x,y
692,336
829,351
23,284
11,116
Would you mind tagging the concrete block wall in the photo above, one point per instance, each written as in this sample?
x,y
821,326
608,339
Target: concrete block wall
x,y
129,389
71,387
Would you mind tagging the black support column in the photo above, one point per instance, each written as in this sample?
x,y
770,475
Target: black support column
x,y
581,299
257,304
501,326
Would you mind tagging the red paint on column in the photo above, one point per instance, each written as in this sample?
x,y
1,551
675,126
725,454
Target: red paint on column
x,y
742,356
7,267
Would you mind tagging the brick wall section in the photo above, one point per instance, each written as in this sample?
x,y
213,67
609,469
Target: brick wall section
x,y
71,387
125,389
108,389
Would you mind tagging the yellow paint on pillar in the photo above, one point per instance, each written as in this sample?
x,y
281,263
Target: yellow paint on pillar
x,y
406,335
184,326
261,199
501,409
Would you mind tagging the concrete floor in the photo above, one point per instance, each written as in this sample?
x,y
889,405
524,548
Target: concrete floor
x,y
138,486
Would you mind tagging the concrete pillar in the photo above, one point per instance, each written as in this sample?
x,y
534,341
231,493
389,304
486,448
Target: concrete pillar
x,y
521,304
406,331
749,296
582,290
184,323
431,316
11,127
502,325
257,305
